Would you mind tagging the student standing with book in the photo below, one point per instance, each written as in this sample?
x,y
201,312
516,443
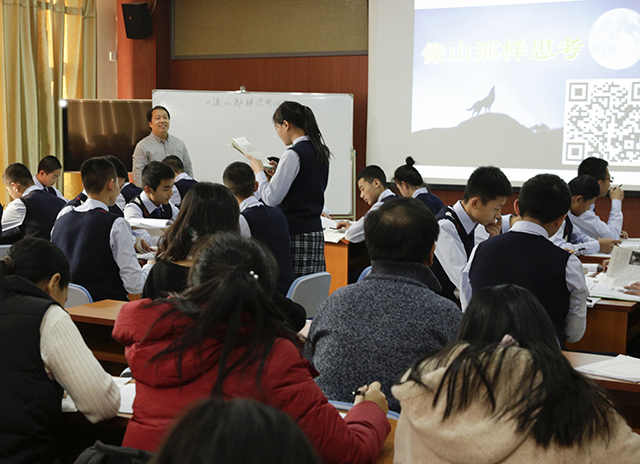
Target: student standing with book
x,y
298,185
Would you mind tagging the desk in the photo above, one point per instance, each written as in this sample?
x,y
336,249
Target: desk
x,y
336,256
611,325
95,322
626,395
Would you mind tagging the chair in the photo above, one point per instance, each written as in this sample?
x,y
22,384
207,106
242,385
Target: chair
x,y
3,250
78,295
310,291
365,272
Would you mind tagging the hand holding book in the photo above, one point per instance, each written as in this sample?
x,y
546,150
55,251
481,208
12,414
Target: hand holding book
x,y
256,158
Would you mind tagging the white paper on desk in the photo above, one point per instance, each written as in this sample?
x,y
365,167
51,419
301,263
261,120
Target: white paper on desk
x,y
67,404
590,268
624,266
603,287
621,367
149,223
333,235
127,395
328,223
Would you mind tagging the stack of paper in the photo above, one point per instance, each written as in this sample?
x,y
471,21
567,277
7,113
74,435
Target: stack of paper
x,y
621,367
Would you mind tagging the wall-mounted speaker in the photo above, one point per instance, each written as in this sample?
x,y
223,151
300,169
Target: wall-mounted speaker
x,y
137,20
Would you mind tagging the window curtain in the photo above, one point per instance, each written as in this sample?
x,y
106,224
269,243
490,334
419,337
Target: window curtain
x,y
47,52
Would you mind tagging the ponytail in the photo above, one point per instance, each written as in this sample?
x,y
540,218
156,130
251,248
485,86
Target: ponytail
x,y
302,116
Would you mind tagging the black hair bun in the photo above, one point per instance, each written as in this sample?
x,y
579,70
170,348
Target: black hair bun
x,y
410,161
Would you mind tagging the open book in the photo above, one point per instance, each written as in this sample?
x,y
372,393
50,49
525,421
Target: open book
x,y
247,149
624,269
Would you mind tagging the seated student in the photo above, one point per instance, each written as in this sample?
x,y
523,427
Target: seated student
x,y
377,327
506,394
49,170
224,337
409,183
584,192
524,256
372,183
207,208
115,209
153,201
182,183
129,191
32,211
484,196
218,431
589,222
266,223
97,243
43,355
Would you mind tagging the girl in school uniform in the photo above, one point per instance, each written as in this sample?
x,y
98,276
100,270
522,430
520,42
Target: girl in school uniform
x,y
43,354
505,393
409,183
225,338
298,185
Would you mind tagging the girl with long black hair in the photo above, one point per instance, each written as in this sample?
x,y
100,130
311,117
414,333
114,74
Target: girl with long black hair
x,y
504,393
225,338
298,185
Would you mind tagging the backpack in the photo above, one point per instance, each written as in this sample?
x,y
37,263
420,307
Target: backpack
x,y
100,453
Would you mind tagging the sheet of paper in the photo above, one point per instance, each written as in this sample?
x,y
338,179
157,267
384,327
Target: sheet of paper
x,y
333,235
328,223
67,404
621,367
127,395
149,223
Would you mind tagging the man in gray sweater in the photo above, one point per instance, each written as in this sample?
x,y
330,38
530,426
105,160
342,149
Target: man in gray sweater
x,y
374,329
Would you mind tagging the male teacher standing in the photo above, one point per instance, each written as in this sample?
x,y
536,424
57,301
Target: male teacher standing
x,y
158,145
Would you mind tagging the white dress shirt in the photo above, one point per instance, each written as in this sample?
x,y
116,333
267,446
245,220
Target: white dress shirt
x,y
14,214
580,243
355,233
272,193
120,241
449,247
576,320
596,228
132,210
38,184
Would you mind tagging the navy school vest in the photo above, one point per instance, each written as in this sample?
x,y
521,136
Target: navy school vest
x,y
84,239
528,260
269,225
468,240
42,210
304,201
81,198
432,201
167,212
30,400
130,191
183,186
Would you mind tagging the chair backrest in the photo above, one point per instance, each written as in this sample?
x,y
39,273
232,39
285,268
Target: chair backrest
x,y
78,295
364,273
3,250
310,291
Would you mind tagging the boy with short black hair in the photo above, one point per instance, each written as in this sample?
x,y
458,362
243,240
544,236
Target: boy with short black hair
x,y
584,192
183,181
49,170
267,224
32,211
153,201
372,184
484,196
121,172
97,243
525,256
589,222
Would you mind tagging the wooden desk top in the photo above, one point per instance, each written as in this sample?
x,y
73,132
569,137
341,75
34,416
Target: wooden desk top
x,y
617,305
581,359
102,312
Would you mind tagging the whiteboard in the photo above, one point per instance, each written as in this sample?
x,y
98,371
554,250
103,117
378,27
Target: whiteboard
x,y
207,120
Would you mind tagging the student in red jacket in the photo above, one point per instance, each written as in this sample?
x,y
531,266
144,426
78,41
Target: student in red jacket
x,y
225,338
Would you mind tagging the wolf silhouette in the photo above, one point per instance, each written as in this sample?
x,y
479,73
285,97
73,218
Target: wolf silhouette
x,y
485,103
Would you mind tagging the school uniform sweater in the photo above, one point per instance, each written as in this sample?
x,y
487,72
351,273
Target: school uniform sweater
x,y
432,201
130,191
41,212
82,197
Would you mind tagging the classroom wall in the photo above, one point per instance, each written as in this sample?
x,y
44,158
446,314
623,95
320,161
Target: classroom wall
x,y
146,64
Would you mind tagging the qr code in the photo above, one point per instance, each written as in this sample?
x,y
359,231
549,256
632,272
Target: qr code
x,y
602,119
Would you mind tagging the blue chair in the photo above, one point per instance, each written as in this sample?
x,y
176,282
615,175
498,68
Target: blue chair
x,y
364,273
78,295
310,291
